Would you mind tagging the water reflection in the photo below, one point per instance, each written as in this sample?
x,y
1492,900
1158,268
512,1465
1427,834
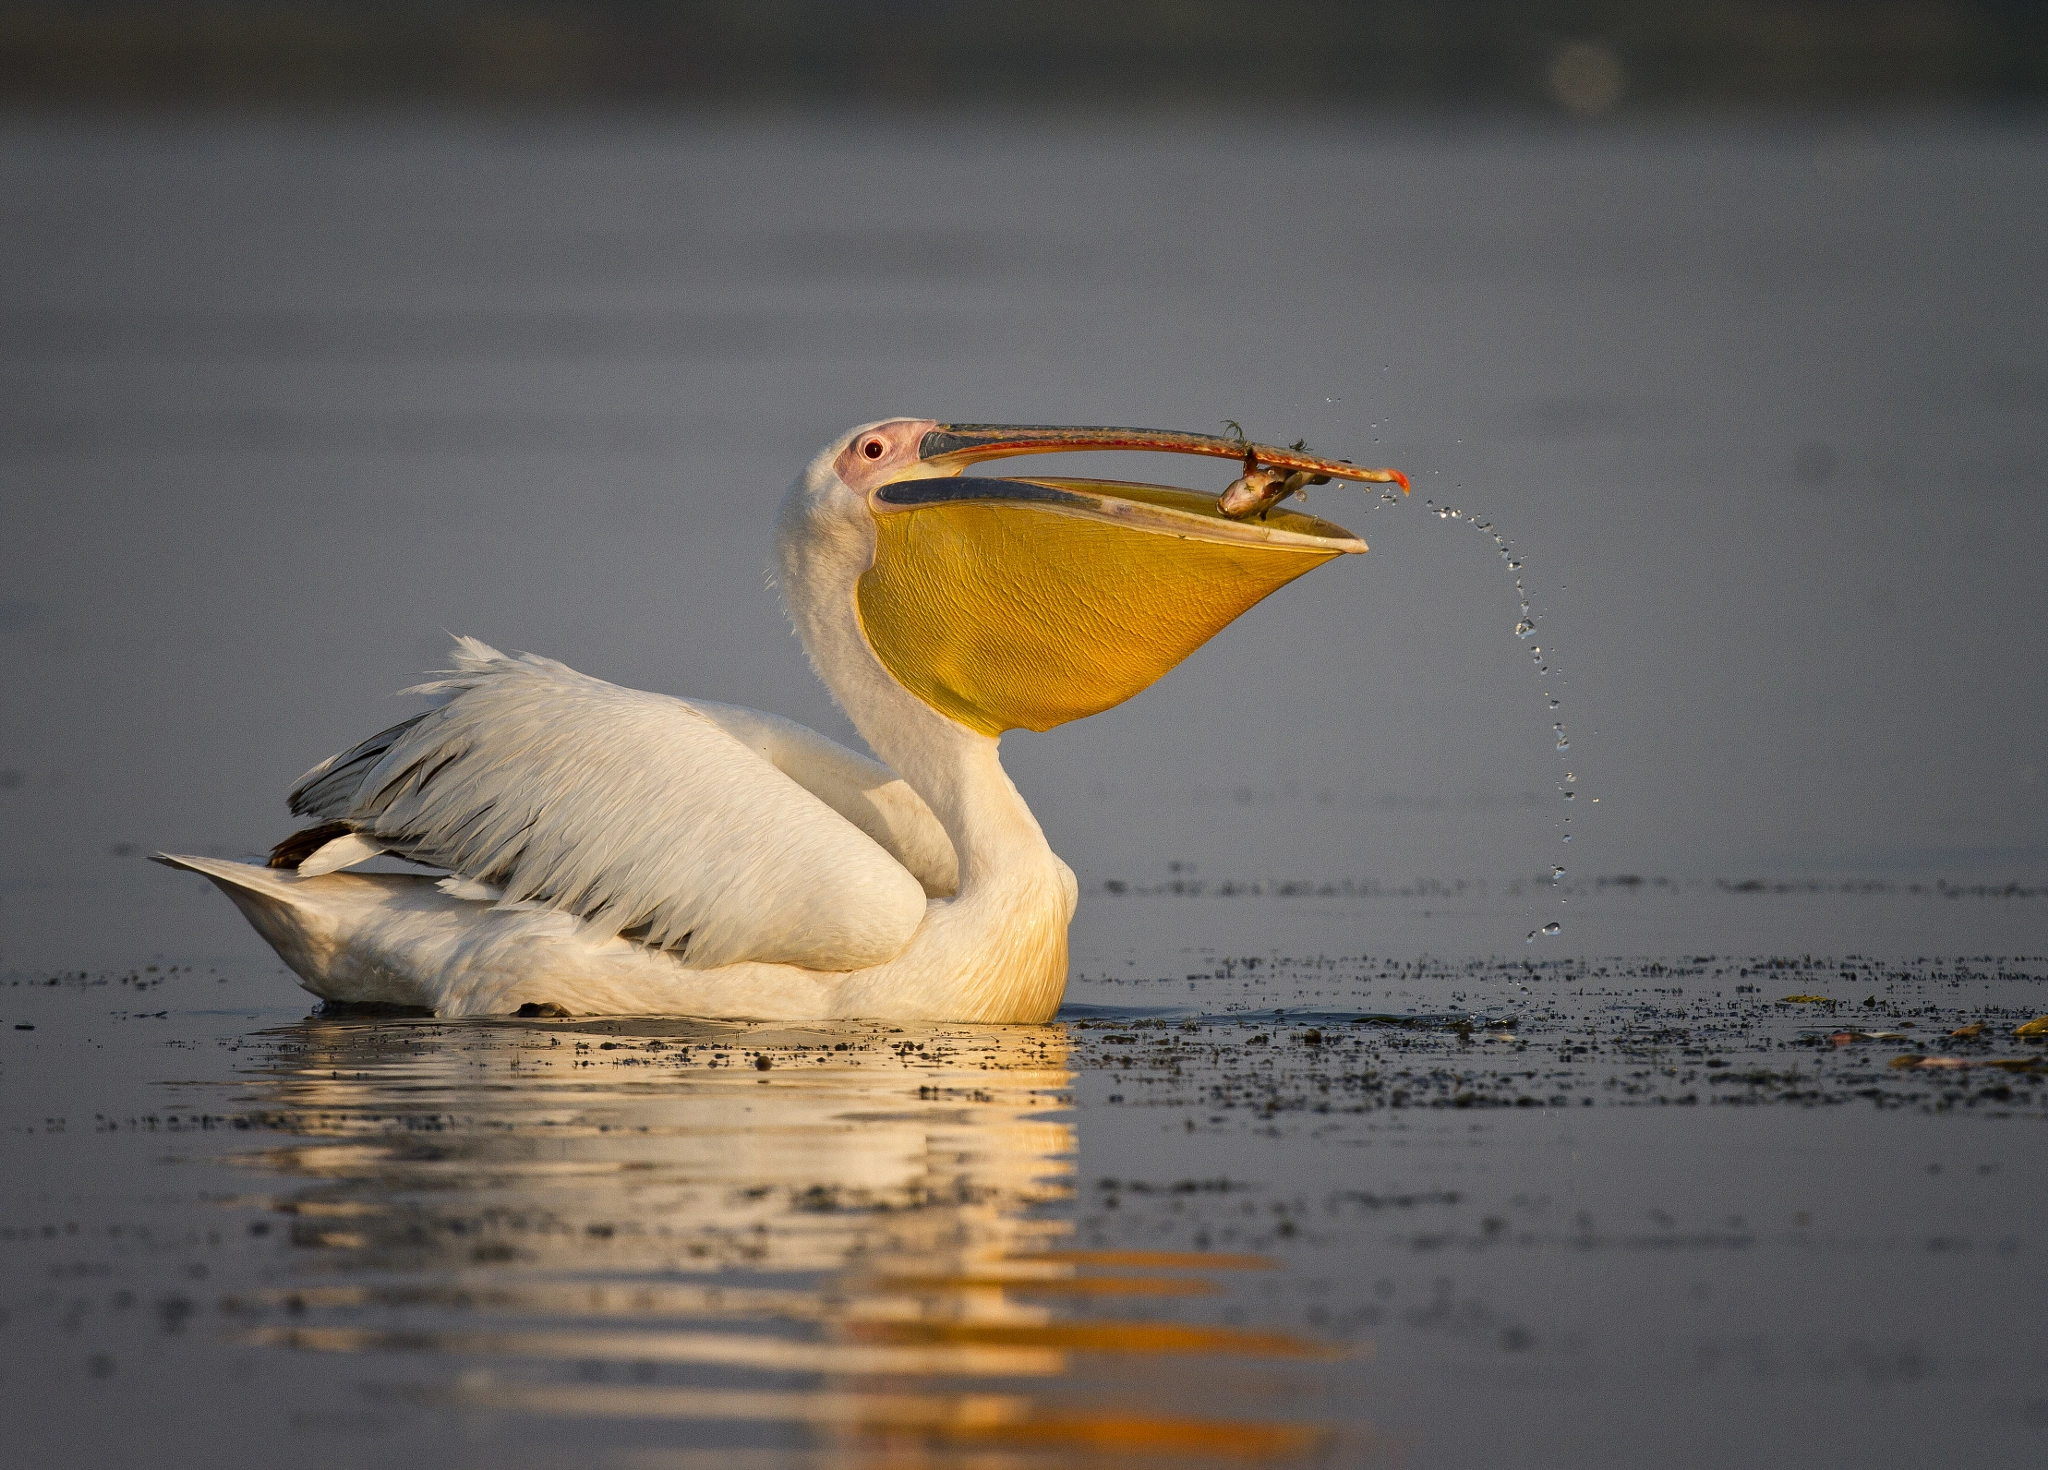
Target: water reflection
x,y
850,1239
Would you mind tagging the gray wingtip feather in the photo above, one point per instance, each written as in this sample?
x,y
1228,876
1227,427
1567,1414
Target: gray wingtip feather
x,y
329,788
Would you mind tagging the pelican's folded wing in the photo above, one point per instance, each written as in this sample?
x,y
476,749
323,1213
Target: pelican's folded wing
x,y
633,811
858,787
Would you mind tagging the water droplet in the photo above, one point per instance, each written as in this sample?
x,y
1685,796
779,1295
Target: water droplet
x,y
1525,628
1569,795
1553,927
1556,874
1532,937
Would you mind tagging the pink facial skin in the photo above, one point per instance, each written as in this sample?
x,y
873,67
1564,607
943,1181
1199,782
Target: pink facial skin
x,y
878,455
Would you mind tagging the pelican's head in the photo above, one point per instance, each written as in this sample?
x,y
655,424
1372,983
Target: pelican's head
x,y
1015,602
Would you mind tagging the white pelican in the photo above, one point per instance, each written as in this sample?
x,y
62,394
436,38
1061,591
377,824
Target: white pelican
x,y
610,851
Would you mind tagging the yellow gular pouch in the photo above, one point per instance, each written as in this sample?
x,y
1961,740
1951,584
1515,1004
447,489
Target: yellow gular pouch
x,y
1010,604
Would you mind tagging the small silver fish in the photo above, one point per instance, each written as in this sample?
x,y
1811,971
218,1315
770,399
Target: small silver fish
x,y
1260,488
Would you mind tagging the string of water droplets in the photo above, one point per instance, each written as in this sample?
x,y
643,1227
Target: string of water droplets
x,y
1525,629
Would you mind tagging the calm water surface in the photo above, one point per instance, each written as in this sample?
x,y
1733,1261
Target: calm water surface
x,y
1322,1210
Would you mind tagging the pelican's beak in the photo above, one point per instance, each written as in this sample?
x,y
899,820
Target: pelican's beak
x,y
949,448
1026,603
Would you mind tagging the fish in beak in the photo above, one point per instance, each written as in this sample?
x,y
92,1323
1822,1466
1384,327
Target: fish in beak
x,y
1029,602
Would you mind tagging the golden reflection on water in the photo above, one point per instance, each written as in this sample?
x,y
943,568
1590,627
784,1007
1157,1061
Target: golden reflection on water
x,y
859,1245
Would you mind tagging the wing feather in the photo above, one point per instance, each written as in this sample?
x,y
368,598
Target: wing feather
x,y
325,791
634,811
858,787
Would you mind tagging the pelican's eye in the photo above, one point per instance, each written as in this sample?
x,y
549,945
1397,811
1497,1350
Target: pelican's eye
x,y
872,449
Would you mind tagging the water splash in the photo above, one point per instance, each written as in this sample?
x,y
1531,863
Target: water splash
x,y
1526,630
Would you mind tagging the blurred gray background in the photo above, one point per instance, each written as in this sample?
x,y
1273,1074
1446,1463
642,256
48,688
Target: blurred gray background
x,y
328,331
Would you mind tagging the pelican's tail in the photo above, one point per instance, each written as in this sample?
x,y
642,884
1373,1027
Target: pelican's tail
x,y
410,939
297,925
448,946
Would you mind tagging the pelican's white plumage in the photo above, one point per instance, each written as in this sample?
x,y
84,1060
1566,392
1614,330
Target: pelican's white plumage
x,y
639,812
606,850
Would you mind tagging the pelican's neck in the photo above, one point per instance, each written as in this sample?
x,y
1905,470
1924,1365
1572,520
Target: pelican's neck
x,y
997,950
825,539
960,775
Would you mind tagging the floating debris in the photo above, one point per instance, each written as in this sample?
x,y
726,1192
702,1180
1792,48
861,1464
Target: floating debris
x,y
1958,1064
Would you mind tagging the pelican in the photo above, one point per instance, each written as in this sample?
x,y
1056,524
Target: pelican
x,y
602,850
